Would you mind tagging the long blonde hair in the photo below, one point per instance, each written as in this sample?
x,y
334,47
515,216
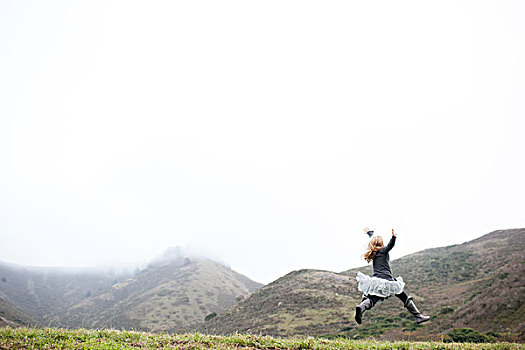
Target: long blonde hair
x,y
374,245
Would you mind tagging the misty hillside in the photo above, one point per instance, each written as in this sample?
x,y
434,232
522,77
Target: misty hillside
x,y
41,293
12,316
478,284
168,296
173,293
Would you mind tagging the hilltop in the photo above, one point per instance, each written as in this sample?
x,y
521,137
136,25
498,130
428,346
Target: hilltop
x,y
477,284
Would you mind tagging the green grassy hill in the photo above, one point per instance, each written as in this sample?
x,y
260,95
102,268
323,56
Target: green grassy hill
x,y
24,338
478,284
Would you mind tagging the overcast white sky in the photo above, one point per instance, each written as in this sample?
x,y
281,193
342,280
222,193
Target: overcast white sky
x,y
268,133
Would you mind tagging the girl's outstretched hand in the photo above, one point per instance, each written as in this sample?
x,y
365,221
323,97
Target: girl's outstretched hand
x,y
393,234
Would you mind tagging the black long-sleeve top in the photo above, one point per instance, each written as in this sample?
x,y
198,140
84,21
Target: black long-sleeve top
x,y
381,262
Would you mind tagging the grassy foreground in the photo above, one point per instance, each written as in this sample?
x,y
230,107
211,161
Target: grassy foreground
x,y
52,338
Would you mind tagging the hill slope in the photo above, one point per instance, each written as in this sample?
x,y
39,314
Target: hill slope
x,y
12,316
44,293
171,294
477,284
300,303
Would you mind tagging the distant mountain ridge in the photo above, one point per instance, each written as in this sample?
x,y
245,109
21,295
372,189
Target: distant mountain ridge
x,y
478,284
173,293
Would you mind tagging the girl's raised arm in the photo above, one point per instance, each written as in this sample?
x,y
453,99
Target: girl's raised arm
x,y
390,244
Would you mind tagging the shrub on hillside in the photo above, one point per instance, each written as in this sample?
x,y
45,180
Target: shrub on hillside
x,y
210,316
446,310
468,335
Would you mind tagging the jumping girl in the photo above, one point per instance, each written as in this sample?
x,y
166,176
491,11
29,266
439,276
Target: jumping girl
x,y
382,284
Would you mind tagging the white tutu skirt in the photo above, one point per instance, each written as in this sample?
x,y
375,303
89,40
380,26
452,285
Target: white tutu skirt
x,y
379,286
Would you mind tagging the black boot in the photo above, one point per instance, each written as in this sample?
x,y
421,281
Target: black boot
x,y
361,308
410,306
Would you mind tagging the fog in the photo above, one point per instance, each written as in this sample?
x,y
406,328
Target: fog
x,y
265,135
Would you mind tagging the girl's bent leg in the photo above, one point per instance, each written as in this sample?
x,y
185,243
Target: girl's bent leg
x,y
411,307
368,302
374,299
403,297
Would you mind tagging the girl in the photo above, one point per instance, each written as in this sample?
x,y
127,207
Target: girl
x,y
382,284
